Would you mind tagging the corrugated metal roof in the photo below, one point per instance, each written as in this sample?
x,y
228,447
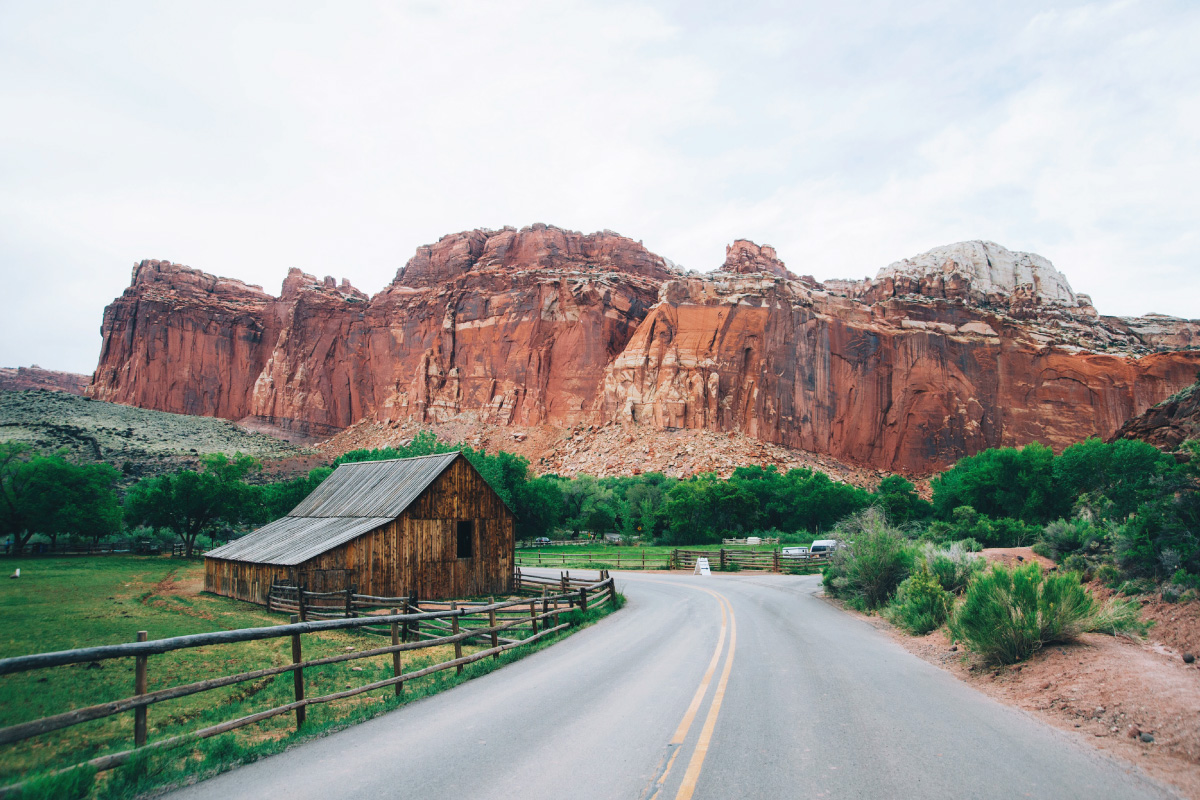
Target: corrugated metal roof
x,y
356,498
292,540
373,488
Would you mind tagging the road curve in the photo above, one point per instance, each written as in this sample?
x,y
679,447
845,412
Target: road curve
x,y
710,688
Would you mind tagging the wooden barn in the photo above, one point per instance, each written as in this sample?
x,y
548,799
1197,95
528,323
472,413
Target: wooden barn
x,y
430,523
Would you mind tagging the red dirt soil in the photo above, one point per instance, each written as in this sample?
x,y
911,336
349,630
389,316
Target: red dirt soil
x,y
1106,689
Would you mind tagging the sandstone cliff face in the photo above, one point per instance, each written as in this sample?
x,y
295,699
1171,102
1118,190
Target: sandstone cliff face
x,y
1168,424
966,347
506,326
900,386
17,379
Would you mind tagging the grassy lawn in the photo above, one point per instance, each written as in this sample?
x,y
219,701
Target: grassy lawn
x,y
63,603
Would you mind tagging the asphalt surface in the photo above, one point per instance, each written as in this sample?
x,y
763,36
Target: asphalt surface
x,y
715,687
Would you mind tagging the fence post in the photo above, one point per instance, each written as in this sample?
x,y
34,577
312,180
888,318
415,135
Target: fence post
x,y
457,642
495,633
545,608
533,616
300,603
415,604
562,577
139,687
775,561
518,587
722,559
405,621
298,674
396,654
350,590
270,592
583,598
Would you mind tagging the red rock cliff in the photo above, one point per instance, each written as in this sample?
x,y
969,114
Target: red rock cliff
x,y
965,347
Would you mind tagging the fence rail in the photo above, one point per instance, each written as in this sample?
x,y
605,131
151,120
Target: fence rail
x,y
621,558
727,560
450,622
527,544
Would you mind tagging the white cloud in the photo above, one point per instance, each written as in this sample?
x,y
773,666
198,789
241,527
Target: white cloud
x,y
244,140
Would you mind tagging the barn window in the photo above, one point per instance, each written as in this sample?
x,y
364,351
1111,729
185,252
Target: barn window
x,y
466,539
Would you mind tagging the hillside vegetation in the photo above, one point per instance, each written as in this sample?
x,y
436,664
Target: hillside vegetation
x,y
137,441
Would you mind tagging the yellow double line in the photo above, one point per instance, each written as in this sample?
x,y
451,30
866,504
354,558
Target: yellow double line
x,y
688,786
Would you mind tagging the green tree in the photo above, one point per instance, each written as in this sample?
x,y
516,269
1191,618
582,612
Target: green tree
x,y
900,500
50,495
1116,477
72,499
1003,482
191,503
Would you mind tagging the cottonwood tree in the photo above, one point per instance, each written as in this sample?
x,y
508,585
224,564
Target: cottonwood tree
x,y
53,496
191,503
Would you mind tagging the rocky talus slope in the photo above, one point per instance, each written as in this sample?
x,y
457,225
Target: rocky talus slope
x,y
965,347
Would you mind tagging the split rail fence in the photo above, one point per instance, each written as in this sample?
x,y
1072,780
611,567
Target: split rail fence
x,y
727,560
621,558
499,626
723,559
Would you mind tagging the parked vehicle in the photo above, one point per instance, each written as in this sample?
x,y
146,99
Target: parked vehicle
x,y
542,540
801,552
822,547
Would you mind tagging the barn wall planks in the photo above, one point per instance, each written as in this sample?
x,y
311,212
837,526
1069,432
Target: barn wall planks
x,y
416,550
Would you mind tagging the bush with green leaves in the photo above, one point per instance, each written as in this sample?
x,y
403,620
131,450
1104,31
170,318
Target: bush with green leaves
x,y
876,557
921,604
952,566
1107,575
968,524
1007,615
970,545
1066,537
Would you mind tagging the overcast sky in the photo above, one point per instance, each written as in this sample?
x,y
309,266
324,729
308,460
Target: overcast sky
x,y
246,138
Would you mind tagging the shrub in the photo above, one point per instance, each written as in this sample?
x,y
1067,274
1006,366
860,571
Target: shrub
x,y
970,545
873,565
921,604
1064,538
1042,549
1077,563
1009,614
1108,575
952,566
1136,586
1118,617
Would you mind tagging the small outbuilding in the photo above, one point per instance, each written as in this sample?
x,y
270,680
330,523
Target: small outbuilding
x,y
430,523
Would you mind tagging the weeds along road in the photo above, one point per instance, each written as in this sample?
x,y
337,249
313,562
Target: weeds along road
x,y
725,687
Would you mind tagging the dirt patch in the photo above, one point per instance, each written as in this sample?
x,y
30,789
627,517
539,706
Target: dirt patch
x,y
174,595
1176,626
1107,690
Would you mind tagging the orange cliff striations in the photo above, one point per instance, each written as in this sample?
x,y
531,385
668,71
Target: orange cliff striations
x,y
965,347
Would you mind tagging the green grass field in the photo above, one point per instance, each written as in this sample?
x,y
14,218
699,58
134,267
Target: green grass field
x,y
63,603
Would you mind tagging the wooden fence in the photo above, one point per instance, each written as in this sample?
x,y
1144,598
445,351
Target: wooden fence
x,y
500,626
620,558
111,547
729,560
527,544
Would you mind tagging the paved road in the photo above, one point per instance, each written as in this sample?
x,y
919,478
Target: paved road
x,y
721,687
